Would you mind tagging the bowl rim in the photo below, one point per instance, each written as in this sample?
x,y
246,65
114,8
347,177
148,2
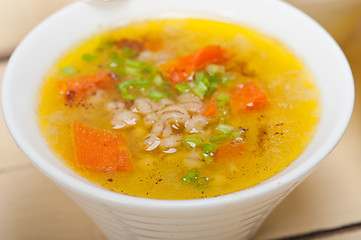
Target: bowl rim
x,y
68,182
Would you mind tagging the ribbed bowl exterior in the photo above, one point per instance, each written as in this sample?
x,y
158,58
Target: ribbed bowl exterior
x,y
239,221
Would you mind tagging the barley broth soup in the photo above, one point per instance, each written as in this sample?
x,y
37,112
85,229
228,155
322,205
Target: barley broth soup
x,y
178,108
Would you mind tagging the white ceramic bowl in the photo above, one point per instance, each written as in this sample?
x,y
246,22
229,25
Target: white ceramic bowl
x,y
232,216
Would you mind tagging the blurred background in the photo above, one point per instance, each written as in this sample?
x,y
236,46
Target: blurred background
x,y
338,17
325,206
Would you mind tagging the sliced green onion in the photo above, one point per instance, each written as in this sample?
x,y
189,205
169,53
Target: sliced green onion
x,y
210,148
214,79
226,79
213,69
116,64
217,140
156,95
146,68
182,87
200,90
128,96
223,98
202,77
238,134
202,181
87,57
68,70
224,130
191,176
158,80
192,142
116,61
199,76
207,157
206,82
132,71
142,83
212,87
134,67
133,63
125,86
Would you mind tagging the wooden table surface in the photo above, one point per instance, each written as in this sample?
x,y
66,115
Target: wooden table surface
x,y
325,206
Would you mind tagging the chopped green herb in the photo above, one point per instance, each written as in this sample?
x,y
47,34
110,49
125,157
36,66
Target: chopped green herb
x,y
224,130
217,140
116,61
132,67
142,83
226,79
206,81
68,70
148,69
210,148
212,87
156,95
158,80
213,69
133,63
200,90
204,85
128,96
193,176
199,76
182,87
125,86
203,181
132,71
137,68
192,142
207,157
238,134
116,65
223,99
202,77
214,78
88,57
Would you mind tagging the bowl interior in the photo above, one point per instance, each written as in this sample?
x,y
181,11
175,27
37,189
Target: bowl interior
x,y
80,20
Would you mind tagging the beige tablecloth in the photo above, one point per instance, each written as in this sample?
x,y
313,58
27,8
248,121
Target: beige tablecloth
x,y
32,207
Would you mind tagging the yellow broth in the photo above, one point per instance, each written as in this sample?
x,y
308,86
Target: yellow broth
x,y
274,135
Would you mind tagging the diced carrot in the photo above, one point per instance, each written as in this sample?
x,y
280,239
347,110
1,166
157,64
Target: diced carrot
x,y
229,151
181,69
74,90
209,110
210,54
248,96
100,150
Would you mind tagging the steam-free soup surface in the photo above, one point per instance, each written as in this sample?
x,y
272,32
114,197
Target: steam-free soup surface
x,y
178,108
